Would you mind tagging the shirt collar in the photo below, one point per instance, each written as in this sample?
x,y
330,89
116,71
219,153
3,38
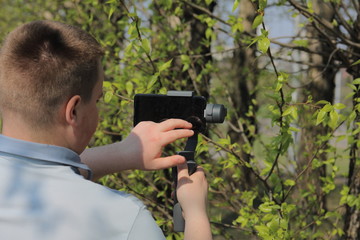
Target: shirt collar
x,y
42,152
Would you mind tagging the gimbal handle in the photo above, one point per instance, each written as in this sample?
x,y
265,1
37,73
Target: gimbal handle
x,y
189,154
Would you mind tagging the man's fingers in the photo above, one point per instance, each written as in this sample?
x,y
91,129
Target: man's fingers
x,y
200,172
182,171
168,162
171,136
174,123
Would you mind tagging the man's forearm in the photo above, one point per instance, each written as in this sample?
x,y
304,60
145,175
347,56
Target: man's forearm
x,y
107,159
197,228
142,149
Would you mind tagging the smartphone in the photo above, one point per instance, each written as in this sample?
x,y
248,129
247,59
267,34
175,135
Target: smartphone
x,y
158,107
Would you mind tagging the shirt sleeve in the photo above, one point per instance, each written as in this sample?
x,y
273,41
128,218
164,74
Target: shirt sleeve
x,y
145,227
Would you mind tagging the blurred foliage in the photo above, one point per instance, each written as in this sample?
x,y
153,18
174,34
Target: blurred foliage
x,y
155,46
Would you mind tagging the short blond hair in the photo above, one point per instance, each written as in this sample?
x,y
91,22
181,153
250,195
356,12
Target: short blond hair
x,y
43,64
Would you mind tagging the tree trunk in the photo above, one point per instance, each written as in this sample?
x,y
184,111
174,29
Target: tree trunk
x,y
352,216
321,87
196,46
243,91
189,41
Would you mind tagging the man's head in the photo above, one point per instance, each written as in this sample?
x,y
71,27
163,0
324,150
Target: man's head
x,y
50,81
42,65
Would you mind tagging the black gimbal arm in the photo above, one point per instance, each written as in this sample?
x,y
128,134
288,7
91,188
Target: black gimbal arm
x,y
189,154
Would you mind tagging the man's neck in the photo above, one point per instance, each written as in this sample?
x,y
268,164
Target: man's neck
x,y
15,128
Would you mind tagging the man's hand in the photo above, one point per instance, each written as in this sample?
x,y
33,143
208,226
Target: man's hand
x,y
149,138
191,193
142,149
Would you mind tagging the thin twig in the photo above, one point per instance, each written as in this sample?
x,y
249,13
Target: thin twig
x,y
280,106
327,25
206,11
321,147
136,20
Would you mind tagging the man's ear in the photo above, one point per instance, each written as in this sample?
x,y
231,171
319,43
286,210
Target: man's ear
x,y
71,110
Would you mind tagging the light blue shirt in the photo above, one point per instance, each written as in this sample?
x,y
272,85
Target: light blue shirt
x,y
41,197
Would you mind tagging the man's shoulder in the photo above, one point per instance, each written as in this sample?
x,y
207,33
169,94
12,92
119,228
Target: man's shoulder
x,y
121,210
56,192
99,191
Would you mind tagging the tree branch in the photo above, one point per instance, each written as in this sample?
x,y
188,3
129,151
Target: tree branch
x,y
204,10
327,25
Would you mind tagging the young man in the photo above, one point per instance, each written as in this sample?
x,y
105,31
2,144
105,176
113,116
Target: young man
x,y
50,81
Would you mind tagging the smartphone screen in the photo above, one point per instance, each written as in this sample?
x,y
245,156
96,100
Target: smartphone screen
x,y
157,108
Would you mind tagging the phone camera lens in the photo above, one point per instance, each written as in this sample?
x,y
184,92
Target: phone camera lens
x,y
215,113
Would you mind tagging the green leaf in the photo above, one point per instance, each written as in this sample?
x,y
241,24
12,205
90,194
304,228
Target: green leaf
x,y
264,44
132,31
356,63
262,4
352,86
265,208
128,49
288,111
352,116
235,5
320,117
301,43
129,87
255,40
278,87
310,6
273,224
289,182
165,66
349,95
356,81
111,12
327,108
152,81
322,102
294,113
339,106
334,117
257,21
167,4
208,33
185,59
294,129
264,33
145,43
108,96
107,84
340,138
262,230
